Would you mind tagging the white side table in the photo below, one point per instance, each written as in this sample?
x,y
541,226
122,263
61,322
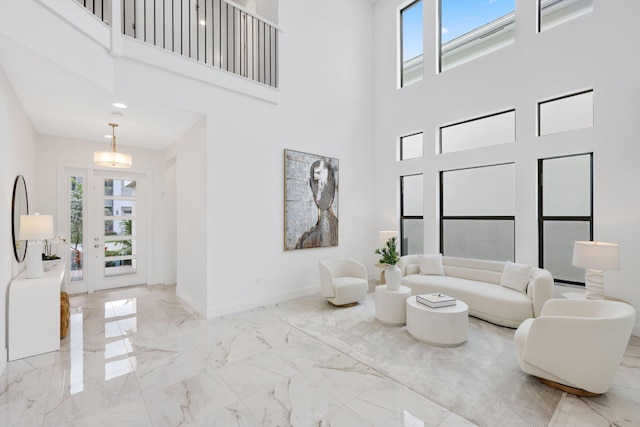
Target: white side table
x,y
444,326
391,305
34,314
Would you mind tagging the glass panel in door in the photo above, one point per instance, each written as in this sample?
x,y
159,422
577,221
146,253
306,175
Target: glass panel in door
x,y
120,224
119,230
76,227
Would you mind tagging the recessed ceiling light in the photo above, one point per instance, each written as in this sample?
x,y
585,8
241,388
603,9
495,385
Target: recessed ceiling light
x,y
108,136
119,105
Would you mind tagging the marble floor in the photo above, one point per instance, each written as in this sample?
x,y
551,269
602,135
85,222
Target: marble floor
x,y
139,356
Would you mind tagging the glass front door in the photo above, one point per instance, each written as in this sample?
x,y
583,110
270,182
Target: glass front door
x,y
106,229
119,229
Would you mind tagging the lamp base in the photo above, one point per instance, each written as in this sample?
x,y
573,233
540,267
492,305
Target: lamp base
x,y
594,284
35,267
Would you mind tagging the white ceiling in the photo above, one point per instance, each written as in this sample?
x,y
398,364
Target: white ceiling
x,y
61,103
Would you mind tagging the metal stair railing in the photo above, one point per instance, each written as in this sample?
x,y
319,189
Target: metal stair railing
x,y
215,32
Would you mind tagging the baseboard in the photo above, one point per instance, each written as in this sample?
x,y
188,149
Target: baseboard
x,y
196,305
272,299
636,330
3,361
75,288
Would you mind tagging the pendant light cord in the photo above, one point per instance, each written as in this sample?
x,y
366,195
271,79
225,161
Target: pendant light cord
x,y
113,137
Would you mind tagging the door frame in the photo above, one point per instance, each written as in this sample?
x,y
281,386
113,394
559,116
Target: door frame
x,y
62,226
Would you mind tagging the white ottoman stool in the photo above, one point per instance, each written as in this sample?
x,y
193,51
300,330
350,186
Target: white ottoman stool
x,y
391,305
445,326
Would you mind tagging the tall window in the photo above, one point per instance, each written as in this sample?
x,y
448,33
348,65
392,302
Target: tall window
x,y
411,62
477,212
411,215
411,146
565,213
555,12
472,28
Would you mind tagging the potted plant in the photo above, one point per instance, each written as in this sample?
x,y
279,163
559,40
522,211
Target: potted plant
x,y
389,257
48,258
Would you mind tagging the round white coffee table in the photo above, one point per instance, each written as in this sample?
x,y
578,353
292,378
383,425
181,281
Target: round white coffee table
x,y
391,305
444,326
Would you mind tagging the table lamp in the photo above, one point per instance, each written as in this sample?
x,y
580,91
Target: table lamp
x,y
596,257
35,228
386,235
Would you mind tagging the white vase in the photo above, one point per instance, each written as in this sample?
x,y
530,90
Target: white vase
x,y
393,275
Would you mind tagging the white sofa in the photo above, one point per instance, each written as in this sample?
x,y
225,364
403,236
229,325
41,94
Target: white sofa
x,y
477,283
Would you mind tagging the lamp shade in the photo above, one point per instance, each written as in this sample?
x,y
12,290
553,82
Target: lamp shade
x,y
596,255
386,235
112,159
36,227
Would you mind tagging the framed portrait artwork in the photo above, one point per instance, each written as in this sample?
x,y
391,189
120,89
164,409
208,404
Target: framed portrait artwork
x,y
310,200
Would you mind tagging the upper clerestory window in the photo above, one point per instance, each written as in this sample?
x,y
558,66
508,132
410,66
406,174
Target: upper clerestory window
x,y
473,28
411,49
411,146
479,132
555,12
565,113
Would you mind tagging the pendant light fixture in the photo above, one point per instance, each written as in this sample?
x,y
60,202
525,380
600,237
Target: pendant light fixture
x,y
112,158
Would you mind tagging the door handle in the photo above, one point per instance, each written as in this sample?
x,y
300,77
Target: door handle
x,y
96,246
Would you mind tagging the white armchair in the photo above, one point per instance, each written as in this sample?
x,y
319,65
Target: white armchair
x,y
344,281
576,345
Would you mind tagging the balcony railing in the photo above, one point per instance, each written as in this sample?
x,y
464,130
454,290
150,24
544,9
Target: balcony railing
x,y
214,32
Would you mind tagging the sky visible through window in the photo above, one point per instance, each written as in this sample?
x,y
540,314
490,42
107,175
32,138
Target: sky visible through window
x,y
461,16
412,31
458,18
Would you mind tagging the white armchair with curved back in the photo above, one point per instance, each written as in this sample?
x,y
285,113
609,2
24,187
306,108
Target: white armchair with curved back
x,y
344,281
576,345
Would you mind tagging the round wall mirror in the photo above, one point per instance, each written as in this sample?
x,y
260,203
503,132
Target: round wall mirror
x,y
19,206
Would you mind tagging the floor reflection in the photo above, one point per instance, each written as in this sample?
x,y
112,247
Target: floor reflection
x,y
77,349
120,318
117,347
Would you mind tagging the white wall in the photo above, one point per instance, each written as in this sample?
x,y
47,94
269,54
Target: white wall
x,y
325,109
190,154
229,167
170,221
268,9
592,51
18,142
245,261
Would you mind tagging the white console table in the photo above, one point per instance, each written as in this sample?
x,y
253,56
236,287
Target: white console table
x,y
34,314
